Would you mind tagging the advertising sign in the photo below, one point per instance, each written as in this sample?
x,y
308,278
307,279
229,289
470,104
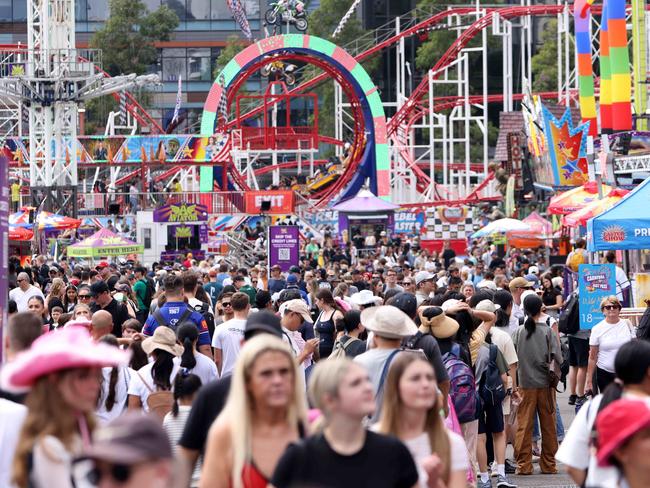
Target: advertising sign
x,y
595,281
181,212
284,246
408,221
279,202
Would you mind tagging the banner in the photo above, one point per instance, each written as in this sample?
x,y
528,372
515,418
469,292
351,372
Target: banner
x,y
284,246
595,281
411,221
4,246
181,212
280,202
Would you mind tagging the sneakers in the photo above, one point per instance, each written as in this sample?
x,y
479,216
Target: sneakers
x,y
504,482
572,399
511,467
481,484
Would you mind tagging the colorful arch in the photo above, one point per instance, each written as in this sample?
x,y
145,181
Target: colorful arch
x,y
375,162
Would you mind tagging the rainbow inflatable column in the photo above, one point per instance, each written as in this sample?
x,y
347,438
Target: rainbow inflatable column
x,y
639,54
582,21
605,75
619,66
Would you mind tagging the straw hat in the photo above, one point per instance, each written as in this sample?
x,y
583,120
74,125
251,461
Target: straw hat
x,y
388,322
442,327
164,339
64,348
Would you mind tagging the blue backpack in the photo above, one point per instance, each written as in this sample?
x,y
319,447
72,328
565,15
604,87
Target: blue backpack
x,y
462,388
491,387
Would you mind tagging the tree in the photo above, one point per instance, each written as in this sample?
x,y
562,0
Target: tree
x,y
129,35
544,62
234,44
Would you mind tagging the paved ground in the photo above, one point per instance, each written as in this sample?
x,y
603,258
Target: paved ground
x,y
561,480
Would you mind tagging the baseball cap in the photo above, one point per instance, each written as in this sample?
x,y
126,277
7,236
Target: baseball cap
x,y
423,276
98,287
298,306
406,302
487,306
102,265
533,270
520,282
294,269
263,321
617,423
489,284
131,438
292,280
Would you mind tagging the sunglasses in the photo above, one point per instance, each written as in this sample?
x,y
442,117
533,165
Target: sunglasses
x,y
225,304
84,297
19,281
118,472
611,307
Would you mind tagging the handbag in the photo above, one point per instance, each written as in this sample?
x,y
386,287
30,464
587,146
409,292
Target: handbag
x,y
553,369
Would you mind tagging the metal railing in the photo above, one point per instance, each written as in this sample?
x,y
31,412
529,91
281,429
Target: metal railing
x,y
106,204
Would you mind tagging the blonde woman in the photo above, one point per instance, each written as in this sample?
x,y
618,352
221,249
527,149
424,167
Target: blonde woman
x,y
56,295
606,338
62,371
411,412
265,412
345,454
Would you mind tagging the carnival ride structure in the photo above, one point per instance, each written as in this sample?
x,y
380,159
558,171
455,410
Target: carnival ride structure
x,y
384,154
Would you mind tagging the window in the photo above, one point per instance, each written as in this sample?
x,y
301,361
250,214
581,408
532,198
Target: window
x,y
174,64
198,9
198,65
97,10
152,5
5,10
81,11
177,6
146,237
20,10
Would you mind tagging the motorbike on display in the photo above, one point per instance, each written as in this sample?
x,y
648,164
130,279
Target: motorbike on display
x,y
287,12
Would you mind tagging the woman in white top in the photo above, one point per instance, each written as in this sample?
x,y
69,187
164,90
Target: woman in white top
x,y
158,375
411,412
632,366
606,339
114,387
192,360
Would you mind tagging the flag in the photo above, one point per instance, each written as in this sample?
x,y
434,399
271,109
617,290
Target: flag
x,y
179,95
239,14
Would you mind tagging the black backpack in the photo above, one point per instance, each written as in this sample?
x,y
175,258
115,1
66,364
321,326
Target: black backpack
x,y
569,321
491,389
149,292
208,316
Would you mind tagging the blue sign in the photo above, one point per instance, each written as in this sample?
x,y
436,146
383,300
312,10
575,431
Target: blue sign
x,y
595,281
408,222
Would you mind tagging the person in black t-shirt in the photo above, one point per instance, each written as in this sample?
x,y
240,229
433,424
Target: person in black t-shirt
x,y
102,300
344,454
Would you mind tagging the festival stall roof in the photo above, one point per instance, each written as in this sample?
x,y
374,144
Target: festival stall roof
x,y
501,226
572,200
541,230
46,220
626,225
17,233
365,202
581,216
104,243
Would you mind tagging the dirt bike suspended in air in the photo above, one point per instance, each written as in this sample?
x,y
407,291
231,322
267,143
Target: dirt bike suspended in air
x,y
287,12
280,70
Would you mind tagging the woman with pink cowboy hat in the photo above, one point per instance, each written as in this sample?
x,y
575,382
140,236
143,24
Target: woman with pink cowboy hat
x,y
62,373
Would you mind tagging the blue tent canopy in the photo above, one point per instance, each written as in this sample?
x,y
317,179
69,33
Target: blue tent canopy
x,y
626,225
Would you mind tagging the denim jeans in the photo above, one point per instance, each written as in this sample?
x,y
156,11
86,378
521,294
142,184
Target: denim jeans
x,y
559,425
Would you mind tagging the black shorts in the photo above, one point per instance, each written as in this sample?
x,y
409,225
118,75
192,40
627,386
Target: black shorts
x,y
578,352
491,419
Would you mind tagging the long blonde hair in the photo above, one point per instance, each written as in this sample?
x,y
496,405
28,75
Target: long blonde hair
x,y
392,405
47,415
57,289
325,379
238,410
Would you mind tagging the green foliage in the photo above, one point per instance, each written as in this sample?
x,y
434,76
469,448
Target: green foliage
x,y
234,44
544,62
128,36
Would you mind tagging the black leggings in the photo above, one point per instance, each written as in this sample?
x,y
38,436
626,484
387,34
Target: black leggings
x,y
603,378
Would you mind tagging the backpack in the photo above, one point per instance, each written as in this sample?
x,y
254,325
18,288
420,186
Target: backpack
x,y
184,319
208,316
491,389
569,320
462,387
423,342
149,292
160,403
576,259
340,348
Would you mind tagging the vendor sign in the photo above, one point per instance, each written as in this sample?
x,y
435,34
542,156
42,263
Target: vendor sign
x,y
280,202
181,212
408,221
596,281
284,246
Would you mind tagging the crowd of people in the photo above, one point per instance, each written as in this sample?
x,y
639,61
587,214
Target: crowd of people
x,y
403,368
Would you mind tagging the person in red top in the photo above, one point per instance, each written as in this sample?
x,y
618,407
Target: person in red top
x,y
265,412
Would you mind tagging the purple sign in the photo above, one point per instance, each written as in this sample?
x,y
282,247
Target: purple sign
x,y
284,246
181,213
4,249
203,233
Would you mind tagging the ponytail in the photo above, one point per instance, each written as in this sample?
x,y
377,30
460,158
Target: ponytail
x,y
162,369
187,334
530,326
185,385
112,383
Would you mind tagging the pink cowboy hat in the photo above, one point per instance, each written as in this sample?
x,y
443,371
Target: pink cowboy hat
x,y
70,347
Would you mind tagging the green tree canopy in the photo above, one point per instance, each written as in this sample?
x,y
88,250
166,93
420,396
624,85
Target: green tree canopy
x,y
128,36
